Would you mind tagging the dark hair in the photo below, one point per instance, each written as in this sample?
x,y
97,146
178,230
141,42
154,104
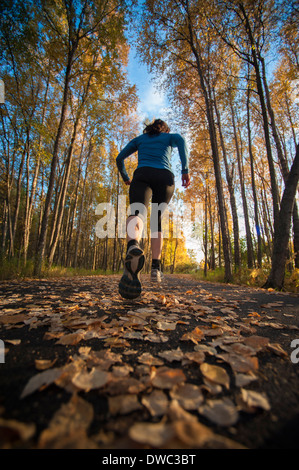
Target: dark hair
x,y
156,127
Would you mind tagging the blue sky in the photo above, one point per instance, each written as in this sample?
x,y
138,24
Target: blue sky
x,y
153,104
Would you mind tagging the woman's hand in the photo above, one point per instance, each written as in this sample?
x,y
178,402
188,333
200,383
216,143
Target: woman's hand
x,y
186,180
128,182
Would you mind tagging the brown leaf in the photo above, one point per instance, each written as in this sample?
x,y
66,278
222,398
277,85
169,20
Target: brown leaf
x,y
221,412
192,433
43,364
72,419
147,358
152,434
71,339
123,404
46,377
94,379
196,356
241,364
166,378
250,401
156,402
172,355
258,343
215,374
277,349
188,395
195,335
177,413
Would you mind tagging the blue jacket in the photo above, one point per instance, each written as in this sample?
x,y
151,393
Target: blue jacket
x,y
154,151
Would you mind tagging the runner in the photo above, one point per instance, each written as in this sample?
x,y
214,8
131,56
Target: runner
x,y
153,179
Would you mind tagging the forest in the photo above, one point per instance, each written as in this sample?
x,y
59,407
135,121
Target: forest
x,y
230,70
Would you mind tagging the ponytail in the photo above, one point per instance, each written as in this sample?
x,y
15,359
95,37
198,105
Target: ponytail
x,y
156,127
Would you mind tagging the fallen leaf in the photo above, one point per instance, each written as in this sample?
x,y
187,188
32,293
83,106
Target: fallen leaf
x,y
43,364
195,335
242,364
251,401
277,349
86,381
72,419
46,377
71,339
166,378
256,342
192,433
123,404
156,402
221,412
153,434
172,355
188,395
215,374
149,359
242,380
177,413
195,356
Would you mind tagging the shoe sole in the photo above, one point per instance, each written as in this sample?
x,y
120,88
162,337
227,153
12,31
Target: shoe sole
x,y
130,286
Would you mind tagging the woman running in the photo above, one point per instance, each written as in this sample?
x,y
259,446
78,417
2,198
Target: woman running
x,y
152,180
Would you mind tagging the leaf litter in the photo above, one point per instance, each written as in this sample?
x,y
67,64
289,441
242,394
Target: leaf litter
x,y
113,358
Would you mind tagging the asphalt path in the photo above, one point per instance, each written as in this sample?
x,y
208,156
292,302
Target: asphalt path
x,y
121,366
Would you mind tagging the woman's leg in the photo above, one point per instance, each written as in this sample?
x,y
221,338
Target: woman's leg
x,y
162,194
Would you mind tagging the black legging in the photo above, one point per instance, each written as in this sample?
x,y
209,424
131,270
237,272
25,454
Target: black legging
x,y
148,183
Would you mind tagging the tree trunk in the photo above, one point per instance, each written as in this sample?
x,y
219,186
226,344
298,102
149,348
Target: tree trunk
x,y
215,154
229,179
282,232
260,92
44,226
250,258
255,203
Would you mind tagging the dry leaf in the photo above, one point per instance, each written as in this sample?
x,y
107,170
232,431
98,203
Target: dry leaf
x,y
195,335
172,355
196,356
156,403
277,349
147,358
71,339
188,395
192,433
151,434
123,404
156,338
239,348
166,378
43,364
242,380
222,412
166,325
72,419
215,374
86,381
253,400
46,377
241,364
14,342
177,413
256,342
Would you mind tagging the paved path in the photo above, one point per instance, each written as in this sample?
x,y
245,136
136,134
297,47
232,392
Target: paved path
x,y
192,365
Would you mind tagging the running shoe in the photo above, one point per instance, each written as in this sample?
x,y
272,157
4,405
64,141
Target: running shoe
x,y
156,275
130,286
